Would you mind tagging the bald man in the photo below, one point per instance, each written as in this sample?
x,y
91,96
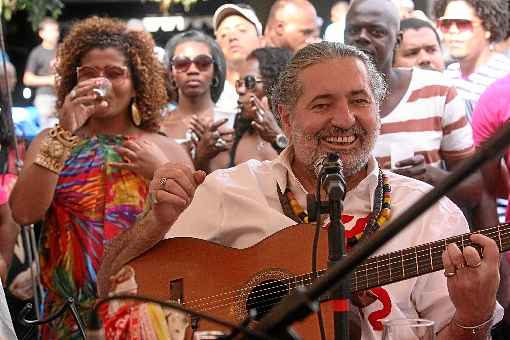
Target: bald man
x,y
292,24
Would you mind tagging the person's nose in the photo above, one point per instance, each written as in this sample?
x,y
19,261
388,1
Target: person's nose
x,y
453,28
193,69
342,116
424,59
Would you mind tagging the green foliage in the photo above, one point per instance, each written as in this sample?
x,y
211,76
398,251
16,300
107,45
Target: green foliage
x,y
37,9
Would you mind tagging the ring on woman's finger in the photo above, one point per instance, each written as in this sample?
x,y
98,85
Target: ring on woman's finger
x,y
72,95
162,182
216,134
220,143
449,274
476,265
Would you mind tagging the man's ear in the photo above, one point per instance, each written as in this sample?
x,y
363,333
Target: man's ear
x,y
280,28
284,117
400,37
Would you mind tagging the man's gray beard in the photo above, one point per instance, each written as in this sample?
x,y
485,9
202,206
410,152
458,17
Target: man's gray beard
x,y
352,162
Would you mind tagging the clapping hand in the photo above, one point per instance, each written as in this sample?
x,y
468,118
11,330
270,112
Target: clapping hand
x,y
141,156
212,138
264,122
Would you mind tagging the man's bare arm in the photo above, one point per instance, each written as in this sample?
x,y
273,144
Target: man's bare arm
x,y
171,190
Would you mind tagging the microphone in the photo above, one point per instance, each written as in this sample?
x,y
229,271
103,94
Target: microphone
x,y
329,171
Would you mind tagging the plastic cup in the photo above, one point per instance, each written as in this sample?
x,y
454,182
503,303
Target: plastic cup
x,y
408,329
103,87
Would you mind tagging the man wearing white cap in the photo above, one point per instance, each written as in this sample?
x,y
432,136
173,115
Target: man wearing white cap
x,y
238,32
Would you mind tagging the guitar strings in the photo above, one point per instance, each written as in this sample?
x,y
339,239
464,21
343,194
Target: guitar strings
x,y
441,247
306,281
272,292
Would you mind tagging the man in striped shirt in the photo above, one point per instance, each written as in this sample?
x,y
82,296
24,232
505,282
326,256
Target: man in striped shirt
x,y
422,110
470,27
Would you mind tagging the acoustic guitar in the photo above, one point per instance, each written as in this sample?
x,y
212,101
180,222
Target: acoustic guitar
x,y
227,282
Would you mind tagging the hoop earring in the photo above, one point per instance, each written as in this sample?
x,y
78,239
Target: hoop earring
x,y
136,117
215,82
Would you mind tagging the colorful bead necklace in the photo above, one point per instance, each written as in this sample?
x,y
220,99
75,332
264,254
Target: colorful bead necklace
x,y
380,215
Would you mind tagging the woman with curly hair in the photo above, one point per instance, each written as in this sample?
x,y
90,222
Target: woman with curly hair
x,y
470,29
88,176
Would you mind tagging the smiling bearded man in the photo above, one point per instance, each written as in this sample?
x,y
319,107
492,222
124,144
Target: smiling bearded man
x,y
328,100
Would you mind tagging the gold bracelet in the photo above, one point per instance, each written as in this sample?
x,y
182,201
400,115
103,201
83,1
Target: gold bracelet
x,y
55,149
473,329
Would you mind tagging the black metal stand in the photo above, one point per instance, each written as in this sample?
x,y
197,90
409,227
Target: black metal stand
x,y
331,178
300,305
69,304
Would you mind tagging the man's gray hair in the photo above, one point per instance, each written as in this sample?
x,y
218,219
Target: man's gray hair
x,y
288,88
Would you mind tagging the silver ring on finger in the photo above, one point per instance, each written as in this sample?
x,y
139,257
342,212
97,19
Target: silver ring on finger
x,y
162,182
220,143
72,95
449,274
216,134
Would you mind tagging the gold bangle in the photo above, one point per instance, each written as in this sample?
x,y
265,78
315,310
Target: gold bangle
x,y
55,149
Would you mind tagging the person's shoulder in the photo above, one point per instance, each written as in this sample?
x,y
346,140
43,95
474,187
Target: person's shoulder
x,y
248,174
407,190
500,86
174,151
431,86
430,77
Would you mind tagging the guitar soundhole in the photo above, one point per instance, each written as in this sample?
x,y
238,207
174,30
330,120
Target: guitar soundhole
x,y
265,295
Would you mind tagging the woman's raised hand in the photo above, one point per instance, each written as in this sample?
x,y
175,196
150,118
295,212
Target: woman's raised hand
x,y
81,103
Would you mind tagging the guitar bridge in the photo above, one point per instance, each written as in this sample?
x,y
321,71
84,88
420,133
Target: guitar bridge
x,y
176,291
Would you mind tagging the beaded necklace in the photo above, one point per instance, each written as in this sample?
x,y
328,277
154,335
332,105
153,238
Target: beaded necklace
x,y
379,216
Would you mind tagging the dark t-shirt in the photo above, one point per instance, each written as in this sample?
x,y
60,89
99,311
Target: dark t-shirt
x,y
39,62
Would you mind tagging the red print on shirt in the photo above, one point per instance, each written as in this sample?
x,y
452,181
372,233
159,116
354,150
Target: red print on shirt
x,y
375,317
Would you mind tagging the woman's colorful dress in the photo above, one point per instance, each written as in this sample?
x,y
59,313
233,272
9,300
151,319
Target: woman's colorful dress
x,y
93,203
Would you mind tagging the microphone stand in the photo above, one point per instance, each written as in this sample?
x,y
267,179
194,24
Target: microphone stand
x,y
69,304
303,302
332,179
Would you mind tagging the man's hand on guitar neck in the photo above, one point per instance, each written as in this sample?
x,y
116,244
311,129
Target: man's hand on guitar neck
x,y
172,190
472,285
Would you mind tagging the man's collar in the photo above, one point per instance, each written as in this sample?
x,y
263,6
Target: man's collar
x,y
283,173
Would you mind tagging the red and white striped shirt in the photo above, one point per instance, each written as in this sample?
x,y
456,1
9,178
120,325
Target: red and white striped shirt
x,y
430,119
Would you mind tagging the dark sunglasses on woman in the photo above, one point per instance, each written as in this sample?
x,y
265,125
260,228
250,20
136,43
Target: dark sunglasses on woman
x,y
249,82
182,64
112,72
463,25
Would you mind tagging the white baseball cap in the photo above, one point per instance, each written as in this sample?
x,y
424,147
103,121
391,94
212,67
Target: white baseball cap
x,y
240,9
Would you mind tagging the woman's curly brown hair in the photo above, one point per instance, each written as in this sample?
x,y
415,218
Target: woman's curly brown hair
x,y
148,74
492,13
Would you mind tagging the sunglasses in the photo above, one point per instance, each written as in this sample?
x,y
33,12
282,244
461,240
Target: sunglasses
x,y
249,82
112,72
202,62
463,25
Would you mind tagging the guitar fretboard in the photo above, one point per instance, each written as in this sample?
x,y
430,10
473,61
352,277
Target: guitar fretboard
x,y
407,263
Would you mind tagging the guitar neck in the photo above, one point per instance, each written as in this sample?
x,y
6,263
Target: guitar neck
x,y
410,262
